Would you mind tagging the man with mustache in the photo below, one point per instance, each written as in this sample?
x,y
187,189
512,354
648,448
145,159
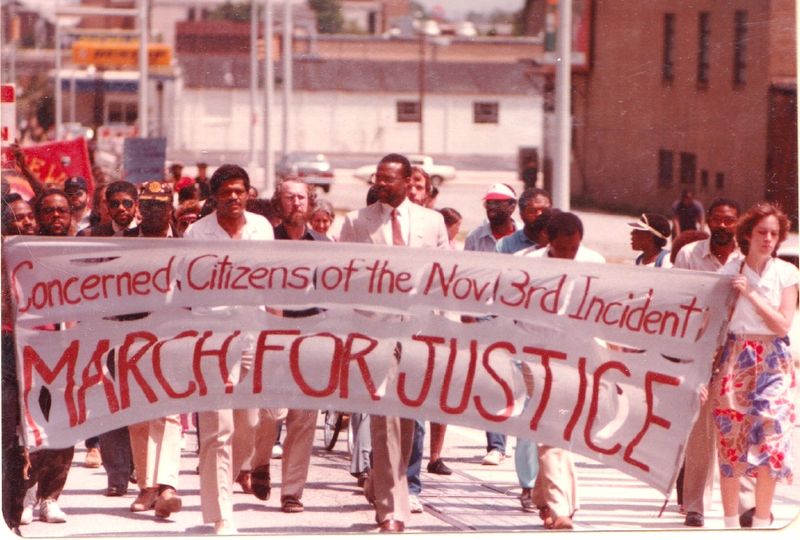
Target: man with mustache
x,y
227,437
392,220
710,255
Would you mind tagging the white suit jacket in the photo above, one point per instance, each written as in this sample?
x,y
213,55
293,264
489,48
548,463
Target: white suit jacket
x,y
427,227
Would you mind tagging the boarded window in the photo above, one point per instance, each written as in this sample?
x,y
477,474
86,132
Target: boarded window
x,y
665,168
668,60
408,111
486,112
688,168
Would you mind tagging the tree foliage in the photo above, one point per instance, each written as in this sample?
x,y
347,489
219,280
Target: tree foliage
x,y
232,11
329,15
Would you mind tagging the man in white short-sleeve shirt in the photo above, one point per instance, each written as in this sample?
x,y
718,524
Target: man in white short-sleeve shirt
x,y
709,255
227,437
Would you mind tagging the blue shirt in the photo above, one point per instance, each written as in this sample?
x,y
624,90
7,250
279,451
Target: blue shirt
x,y
514,242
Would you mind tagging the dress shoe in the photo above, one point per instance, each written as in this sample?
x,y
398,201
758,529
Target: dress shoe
x,y
224,527
391,526
244,480
167,502
746,519
438,467
362,479
116,491
259,480
526,500
694,519
93,459
291,505
145,500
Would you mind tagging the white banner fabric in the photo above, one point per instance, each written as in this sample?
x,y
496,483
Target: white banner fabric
x,y
604,360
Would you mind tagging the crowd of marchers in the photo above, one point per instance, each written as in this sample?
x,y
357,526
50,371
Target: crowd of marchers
x,y
743,428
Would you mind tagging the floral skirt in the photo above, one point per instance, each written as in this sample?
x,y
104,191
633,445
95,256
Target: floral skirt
x,y
752,399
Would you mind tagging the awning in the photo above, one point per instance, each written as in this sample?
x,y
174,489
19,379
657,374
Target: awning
x,y
121,81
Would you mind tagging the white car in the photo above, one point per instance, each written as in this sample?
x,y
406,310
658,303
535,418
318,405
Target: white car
x,y
438,173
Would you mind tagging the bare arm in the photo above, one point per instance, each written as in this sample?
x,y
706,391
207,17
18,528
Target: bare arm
x,y
19,156
778,320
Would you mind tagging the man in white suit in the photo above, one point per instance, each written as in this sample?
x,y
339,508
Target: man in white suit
x,y
393,220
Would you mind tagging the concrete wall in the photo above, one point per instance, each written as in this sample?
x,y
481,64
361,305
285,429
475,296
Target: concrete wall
x,y
342,122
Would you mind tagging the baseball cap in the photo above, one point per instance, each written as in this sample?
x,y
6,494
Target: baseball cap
x,y
500,192
654,224
156,191
75,183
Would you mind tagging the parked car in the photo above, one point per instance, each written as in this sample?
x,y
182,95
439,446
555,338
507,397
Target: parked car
x,y
312,167
438,173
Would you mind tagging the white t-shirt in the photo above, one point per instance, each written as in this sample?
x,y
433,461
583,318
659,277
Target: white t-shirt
x,y
777,276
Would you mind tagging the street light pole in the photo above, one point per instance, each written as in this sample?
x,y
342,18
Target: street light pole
x,y
269,91
287,75
253,78
561,166
144,73
422,88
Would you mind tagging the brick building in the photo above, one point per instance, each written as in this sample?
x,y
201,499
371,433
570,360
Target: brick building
x,y
699,94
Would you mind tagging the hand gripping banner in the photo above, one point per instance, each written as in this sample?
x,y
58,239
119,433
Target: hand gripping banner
x,y
605,360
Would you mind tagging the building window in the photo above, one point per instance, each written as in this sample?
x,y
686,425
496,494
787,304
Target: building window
x,y
739,47
408,111
704,48
720,180
485,112
668,65
688,168
665,168
704,178
122,112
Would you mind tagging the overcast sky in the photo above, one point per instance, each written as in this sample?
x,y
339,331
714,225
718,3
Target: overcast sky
x,y
456,8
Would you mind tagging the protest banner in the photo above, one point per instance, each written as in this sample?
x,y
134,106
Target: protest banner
x,y
54,162
604,360
143,158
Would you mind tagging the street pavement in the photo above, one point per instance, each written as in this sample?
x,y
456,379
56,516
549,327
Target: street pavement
x,y
475,499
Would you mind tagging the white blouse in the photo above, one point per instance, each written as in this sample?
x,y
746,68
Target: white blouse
x,y
777,276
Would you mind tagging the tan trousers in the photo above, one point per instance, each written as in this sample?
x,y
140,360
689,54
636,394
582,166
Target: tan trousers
x,y
556,484
156,448
300,427
700,462
392,442
227,438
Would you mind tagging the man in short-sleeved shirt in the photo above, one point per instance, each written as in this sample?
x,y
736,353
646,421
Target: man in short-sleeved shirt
x,y
227,437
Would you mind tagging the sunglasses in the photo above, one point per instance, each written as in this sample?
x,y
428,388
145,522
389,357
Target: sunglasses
x,y
127,203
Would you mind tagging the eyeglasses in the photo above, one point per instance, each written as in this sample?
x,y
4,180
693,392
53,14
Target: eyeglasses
x,y
127,203
375,179
49,210
723,221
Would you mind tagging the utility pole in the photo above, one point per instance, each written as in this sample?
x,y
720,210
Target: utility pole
x,y
561,165
253,79
288,31
269,91
144,67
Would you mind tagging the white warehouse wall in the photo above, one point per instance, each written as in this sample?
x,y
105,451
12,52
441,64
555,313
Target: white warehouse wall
x,y
337,122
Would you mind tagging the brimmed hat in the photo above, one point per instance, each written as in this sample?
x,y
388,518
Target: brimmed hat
x,y
156,191
500,192
654,224
75,183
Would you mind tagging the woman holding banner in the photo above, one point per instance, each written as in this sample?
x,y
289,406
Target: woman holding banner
x,y
753,391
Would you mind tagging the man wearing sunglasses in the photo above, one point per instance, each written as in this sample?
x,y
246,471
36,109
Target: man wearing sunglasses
x,y
122,199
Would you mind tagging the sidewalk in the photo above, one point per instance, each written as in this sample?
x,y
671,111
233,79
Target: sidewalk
x,y
475,498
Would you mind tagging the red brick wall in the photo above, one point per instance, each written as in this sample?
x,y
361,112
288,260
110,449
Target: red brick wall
x,y
626,113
